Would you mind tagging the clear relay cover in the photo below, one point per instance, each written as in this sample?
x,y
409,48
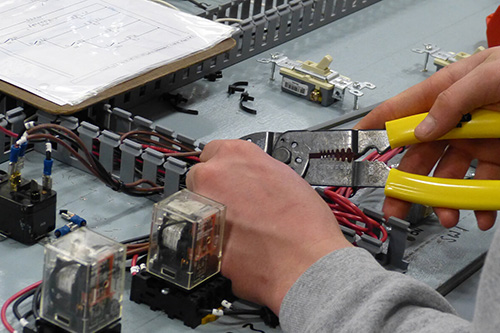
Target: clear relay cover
x,y
186,239
83,281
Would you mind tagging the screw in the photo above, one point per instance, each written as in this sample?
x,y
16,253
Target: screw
x,y
165,291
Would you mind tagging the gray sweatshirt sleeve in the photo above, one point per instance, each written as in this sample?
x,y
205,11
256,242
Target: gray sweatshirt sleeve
x,y
348,291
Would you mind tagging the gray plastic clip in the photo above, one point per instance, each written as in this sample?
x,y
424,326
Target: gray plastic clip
x,y
152,159
16,117
69,122
397,243
44,117
109,141
3,140
121,120
165,131
142,124
130,150
373,245
186,140
349,234
174,169
87,133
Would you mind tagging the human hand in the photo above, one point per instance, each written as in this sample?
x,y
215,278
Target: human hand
x,y
276,224
453,91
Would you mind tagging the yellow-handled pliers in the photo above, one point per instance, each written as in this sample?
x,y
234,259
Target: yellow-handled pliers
x,y
330,158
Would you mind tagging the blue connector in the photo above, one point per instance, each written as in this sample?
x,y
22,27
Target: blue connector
x,y
67,215
65,229
14,153
47,167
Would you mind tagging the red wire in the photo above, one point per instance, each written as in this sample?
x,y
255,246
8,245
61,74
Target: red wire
x,y
345,211
134,261
7,132
12,299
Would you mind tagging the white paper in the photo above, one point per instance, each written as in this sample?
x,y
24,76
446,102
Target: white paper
x,y
69,50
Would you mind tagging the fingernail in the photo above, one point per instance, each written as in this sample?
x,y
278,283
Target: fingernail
x,y
426,127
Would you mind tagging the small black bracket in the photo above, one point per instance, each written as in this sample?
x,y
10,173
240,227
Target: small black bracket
x,y
212,77
246,97
175,100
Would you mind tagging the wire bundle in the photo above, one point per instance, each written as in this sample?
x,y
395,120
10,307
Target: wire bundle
x,y
89,159
350,215
17,299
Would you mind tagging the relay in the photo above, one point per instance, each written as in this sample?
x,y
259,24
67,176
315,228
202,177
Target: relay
x,y
29,212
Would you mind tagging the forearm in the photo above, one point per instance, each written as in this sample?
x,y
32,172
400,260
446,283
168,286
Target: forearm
x,y
348,291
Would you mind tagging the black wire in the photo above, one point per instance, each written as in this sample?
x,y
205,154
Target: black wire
x,y
36,302
136,239
256,312
17,303
27,314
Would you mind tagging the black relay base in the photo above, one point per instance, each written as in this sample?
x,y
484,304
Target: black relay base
x,y
29,213
43,326
179,303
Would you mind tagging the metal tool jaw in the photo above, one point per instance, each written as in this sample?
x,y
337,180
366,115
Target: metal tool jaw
x,y
329,158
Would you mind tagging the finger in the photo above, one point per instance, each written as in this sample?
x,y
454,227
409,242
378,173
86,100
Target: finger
x,y
210,150
453,164
486,170
395,207
420,97
419,159
447,217
191,176
459,99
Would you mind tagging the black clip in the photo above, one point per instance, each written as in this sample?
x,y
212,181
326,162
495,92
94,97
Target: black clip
x,y
212,77
246,97
232,88
175,100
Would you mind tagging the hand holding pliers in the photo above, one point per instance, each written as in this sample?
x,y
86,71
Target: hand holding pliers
x,y
331,158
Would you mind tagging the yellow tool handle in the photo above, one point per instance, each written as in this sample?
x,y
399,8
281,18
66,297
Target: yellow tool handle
x,y
471,194
483,125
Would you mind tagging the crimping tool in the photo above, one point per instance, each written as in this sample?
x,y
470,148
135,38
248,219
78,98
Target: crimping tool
x,y
331,158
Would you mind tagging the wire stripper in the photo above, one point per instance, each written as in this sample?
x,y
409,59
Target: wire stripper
x,y
331,158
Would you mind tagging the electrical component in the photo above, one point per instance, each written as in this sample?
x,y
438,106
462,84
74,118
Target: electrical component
x,y
14,170
30,211
47,167
186,239
180,303
315,81
83,282
75,222
442,58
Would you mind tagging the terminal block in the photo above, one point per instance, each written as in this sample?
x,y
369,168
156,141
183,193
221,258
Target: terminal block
x,y
29,210
186,239
83,282
179,303
315,81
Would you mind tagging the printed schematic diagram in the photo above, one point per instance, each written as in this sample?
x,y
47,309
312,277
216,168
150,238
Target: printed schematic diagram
x,y
67,51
